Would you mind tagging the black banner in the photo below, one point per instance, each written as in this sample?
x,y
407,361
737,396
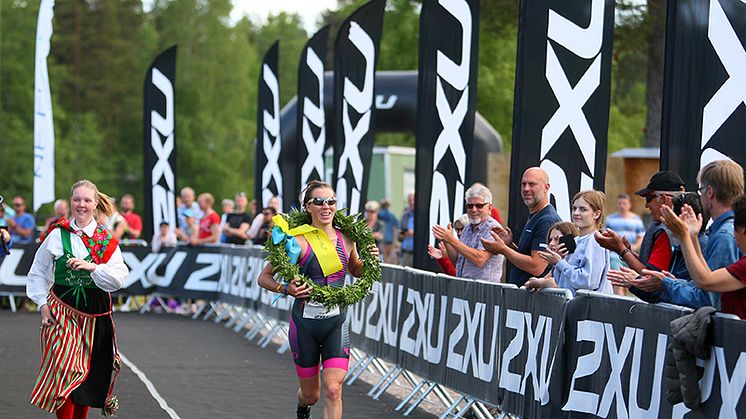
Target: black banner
x,y
615,358
310,114
704,86
267,174
355,57
447,96
562,88
531,348
159,143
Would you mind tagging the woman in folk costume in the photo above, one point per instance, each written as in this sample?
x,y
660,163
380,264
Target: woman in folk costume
x,y
76,267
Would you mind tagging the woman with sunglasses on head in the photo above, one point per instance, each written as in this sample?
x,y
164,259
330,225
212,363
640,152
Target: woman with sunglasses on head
x,y
586,266
318,333
76,267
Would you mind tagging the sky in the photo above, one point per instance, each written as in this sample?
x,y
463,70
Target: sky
x,y
258,10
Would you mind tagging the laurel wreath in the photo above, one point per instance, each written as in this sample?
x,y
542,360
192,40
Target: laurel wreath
x,y
353,226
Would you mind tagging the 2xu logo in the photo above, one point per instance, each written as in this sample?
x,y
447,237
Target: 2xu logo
x,y
732,93
162,126
585,43
456,74
271,142
604,341
313,114
361,100
470,347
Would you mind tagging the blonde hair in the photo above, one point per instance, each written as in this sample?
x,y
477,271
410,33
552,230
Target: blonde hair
x,y
726,179
597,201
103,202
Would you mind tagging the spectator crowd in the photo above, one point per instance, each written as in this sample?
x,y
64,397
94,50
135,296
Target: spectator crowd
x,y
691,254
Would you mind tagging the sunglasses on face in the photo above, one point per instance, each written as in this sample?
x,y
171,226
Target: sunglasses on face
x,y
477,206
321,201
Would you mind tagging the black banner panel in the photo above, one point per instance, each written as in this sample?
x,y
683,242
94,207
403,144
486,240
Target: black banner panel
x,y
537,355
615,357
159,143
267,172
532,353
355,57
562,93
311,132
704,86
446,102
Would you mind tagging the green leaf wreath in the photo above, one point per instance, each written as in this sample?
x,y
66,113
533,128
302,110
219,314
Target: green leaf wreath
x,y
353,226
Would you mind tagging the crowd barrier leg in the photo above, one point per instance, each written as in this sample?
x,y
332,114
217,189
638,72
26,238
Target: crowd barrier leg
x,y
466,408
199,310
419,400
248,316
453,406
390,371
388,383
227,311
131,300
359,367
11,300
211,311
409,396
284,348
272,333
251,334
237,314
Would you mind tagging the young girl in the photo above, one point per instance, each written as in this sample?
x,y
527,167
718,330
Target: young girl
x,y
585,268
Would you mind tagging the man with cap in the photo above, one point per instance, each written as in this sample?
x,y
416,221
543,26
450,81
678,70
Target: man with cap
x,y
656,250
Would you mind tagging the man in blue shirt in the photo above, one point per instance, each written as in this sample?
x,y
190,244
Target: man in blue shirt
x,y
406,235
390,222
720,183
22,225
524,257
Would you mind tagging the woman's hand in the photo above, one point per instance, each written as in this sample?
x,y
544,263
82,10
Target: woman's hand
x,y
80,265
623,277
374,251
299,289
434,253
550,256
46,316
535,284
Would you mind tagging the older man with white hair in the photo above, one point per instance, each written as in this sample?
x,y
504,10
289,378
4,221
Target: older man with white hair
x,y
472,260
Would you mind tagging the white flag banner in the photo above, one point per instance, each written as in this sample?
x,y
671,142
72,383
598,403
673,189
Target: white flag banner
x,y
43,124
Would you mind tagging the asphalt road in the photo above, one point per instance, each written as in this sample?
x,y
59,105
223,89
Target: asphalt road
x,y
200,369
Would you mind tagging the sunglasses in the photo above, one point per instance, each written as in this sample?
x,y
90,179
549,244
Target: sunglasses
x,y
478,206
321,201
17,204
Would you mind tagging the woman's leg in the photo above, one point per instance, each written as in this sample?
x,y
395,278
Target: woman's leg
x,y
332,379
66,410
81,411
308,393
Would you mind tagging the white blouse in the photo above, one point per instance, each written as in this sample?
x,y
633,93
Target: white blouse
x,y
108,276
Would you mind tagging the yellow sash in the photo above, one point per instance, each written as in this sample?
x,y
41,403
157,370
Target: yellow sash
x,y
318,240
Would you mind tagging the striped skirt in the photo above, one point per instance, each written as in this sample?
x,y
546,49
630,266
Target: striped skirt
x,y
67,349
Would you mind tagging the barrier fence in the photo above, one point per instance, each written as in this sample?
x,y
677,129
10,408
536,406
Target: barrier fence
x,y
542,354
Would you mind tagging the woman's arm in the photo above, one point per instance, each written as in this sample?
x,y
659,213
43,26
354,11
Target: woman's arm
x,y
586,273
41,275
267,281
110,276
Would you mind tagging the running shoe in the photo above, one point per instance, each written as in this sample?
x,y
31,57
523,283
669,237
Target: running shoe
x,y
304,412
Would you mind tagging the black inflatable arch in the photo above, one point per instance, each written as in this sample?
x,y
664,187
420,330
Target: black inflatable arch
x,y
396,104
